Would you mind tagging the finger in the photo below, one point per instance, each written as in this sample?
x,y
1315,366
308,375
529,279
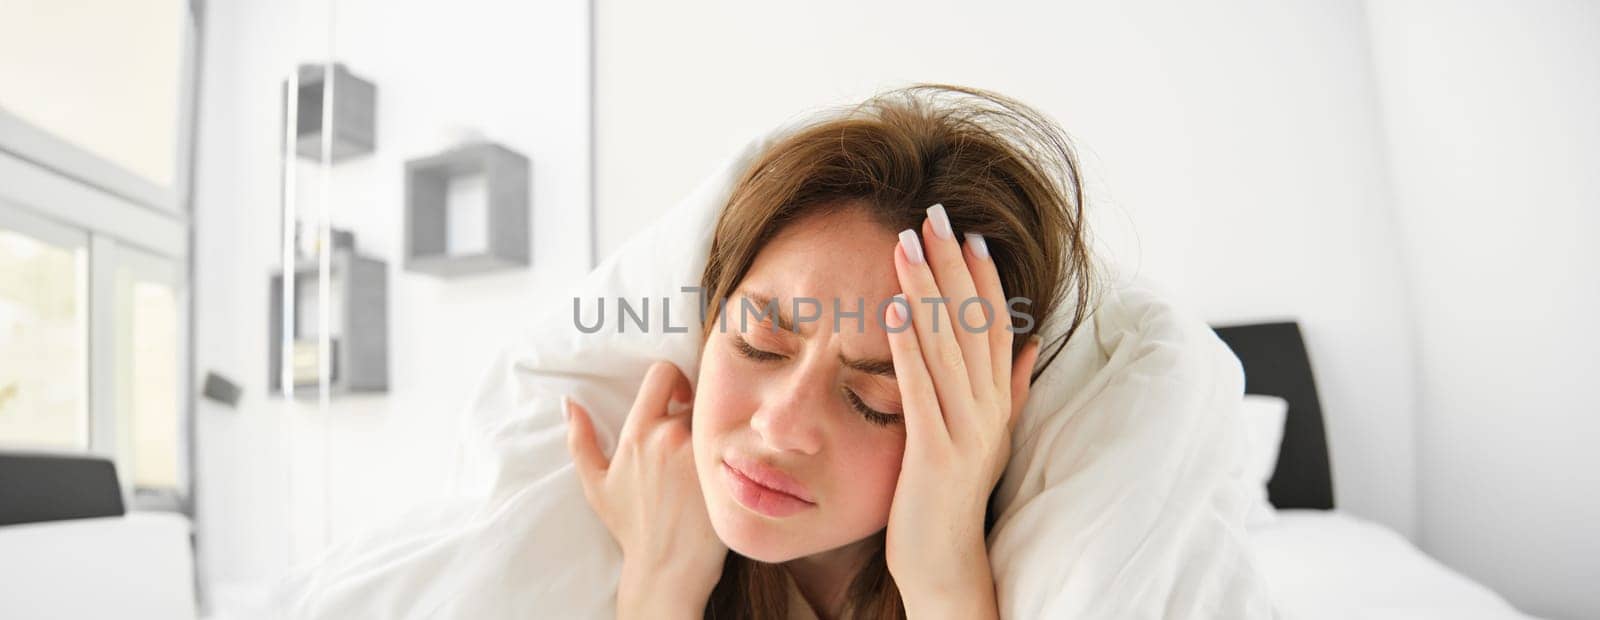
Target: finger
x,y
954,278
986,278
919,402
931,323
1020,376
586,455
663,385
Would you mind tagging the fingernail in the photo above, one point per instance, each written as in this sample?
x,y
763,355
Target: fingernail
x,y
941,221
978,245
566,408
676,407
897,307
911,246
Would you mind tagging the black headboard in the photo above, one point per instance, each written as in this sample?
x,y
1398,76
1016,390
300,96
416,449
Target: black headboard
x,y
1275,364
52,487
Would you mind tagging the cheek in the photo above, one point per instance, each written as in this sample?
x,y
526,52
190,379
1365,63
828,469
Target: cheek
x,y
718,400
868,468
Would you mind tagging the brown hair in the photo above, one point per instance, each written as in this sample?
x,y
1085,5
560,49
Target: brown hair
x,y
1000,168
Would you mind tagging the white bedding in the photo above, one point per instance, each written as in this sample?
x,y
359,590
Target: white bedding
x,y
1125,496
1331,565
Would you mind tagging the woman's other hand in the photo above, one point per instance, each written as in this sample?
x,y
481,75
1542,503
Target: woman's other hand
x,y
648,496
960,396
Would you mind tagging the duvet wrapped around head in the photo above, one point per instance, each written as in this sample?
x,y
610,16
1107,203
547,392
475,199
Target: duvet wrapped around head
x,y
1117,492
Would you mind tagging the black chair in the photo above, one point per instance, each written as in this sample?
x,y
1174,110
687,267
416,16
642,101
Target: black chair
x,y
38,487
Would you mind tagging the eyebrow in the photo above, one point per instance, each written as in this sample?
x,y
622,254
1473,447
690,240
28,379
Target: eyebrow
x,y
763,302
877,367
882,368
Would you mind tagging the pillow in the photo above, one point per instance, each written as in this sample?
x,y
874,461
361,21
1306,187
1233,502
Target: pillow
x,y
1118,501
1263,418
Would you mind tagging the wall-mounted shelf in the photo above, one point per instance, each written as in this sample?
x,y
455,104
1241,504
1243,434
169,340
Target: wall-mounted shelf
x,y
466,211
359,312
354,114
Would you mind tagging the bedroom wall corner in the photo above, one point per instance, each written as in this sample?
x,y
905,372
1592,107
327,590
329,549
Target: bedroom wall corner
x,y
1493,141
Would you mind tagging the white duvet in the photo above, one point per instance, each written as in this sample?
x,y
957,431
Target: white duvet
x,y
1124,497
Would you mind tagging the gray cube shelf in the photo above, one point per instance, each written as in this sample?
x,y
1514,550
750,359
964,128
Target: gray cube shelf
x,y
354,114
361,341
507,180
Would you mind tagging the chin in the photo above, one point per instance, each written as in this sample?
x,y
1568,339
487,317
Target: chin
x,y
754,537
767,556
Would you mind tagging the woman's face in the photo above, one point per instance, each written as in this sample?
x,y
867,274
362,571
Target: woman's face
x,y
797,434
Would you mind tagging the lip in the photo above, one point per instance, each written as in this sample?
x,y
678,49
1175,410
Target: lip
x,y
764,489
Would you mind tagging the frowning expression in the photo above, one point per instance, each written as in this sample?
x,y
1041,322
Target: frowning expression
x,y
797,431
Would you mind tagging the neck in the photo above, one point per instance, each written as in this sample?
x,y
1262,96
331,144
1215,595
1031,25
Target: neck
x,y
824,578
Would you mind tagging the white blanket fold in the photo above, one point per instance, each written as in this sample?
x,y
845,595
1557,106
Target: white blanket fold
x,y
1126,498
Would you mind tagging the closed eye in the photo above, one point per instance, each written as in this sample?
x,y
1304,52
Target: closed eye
x,y
753,353
872,415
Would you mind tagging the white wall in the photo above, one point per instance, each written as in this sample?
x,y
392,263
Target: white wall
x,y
1235,154
1493,113
518,73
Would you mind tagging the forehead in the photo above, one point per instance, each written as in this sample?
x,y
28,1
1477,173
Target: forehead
x,y
835,254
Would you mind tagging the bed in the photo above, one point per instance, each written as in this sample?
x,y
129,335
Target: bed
x,y
1319,562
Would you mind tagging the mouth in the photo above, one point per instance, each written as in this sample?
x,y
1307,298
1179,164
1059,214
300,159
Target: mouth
x,y
763,489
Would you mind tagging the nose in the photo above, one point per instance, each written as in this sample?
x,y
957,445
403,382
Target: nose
x,y
790,417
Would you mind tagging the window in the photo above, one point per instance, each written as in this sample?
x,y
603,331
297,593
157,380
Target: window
x,y
96,89
44,329
95,119
148,371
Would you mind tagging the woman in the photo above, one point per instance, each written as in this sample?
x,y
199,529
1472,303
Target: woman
x,y
862,368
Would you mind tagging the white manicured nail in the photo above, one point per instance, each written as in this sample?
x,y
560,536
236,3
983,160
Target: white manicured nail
x,y
911,245
897,306
941,221
978,245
